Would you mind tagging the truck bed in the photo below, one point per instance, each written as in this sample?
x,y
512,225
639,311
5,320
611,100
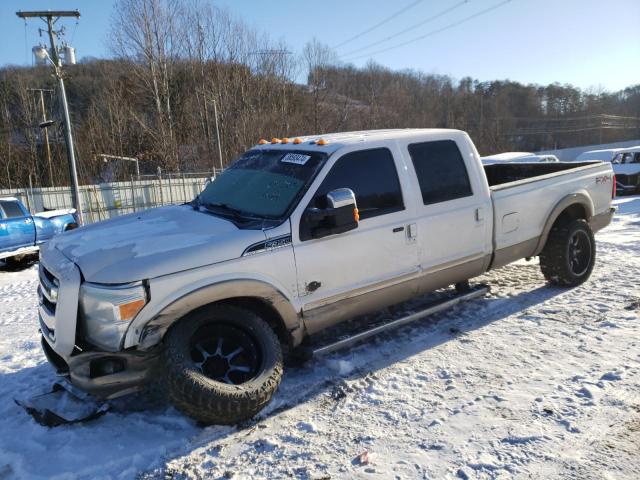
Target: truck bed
x,y
501,173
524,196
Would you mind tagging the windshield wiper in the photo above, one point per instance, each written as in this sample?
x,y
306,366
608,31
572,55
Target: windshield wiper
x,y
217,207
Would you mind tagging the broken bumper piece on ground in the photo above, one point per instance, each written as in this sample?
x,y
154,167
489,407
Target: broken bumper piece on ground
x,y
63,405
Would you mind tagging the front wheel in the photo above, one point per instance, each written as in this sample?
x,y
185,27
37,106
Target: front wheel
x,y
222,364
19,261
569,254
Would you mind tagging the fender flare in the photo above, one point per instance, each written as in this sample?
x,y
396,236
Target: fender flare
x,y
152,332
579,198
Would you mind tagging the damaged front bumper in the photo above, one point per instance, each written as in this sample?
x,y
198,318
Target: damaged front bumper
x,y
105,374
90,368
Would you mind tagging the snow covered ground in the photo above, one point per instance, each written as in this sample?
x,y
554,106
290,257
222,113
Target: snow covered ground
x,y
529,382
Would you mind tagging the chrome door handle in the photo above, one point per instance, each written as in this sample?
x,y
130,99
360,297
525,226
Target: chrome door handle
x,y
412,231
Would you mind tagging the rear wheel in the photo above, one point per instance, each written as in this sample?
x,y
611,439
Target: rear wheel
x,y
221,364
569,254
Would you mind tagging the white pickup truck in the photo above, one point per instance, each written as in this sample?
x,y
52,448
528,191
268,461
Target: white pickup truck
x,y
295,236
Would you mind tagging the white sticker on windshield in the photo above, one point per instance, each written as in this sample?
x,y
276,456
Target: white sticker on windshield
x,y
297,158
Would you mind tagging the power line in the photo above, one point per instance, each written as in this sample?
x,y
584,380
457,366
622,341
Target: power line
x,y
569,130
273,51
434,32
412,27
379,24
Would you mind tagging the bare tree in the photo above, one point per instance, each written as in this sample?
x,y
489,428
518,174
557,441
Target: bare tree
x,y
144,32
317,58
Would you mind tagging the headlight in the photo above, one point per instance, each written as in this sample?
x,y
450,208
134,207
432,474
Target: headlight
x,y
107,310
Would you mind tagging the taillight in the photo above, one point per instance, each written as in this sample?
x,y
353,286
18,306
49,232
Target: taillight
x,y
613,189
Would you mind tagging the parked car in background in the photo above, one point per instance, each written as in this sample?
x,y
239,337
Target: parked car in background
x,y
604,155
519,157
21,233
546,158
503,157
626,166
292,238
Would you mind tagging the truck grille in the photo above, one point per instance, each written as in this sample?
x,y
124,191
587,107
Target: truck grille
x,y
629,180
48,299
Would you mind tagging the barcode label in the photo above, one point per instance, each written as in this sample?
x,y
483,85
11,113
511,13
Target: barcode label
x,y
297,158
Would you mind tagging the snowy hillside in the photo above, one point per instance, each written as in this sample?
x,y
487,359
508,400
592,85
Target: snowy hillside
x,y
531,381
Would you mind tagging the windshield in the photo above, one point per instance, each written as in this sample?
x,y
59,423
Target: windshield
x,y
263,183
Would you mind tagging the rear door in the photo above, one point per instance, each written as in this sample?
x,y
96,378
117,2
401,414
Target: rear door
x,y
377,254
453,211
16,226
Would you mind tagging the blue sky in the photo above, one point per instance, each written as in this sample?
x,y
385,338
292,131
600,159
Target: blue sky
x,y
588,43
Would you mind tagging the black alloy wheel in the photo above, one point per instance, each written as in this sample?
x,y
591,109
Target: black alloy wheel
x,y
225,353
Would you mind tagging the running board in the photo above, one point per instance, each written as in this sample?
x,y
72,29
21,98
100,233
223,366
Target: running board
x,y
474,292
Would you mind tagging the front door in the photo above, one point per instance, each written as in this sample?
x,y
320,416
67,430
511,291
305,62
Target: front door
x,y
349,273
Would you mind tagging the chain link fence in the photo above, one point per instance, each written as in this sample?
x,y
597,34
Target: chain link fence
x,y
107,200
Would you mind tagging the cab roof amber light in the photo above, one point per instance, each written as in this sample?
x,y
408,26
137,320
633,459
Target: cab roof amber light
x,y
275,140
297,141
262,141
322,141
285,140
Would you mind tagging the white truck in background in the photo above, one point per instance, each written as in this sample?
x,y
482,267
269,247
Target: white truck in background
x,y
292,238
626,166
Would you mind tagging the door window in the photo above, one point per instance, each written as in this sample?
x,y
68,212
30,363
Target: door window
x,y
11,210
372,176
441,171
624,158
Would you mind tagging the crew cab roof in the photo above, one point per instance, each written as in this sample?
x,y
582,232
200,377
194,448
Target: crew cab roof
x,y
337,140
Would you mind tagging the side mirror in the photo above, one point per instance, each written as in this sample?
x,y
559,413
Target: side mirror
x,y
341,215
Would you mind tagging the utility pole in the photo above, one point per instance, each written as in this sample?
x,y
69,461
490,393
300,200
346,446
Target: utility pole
x,y
215,114
45,126
50,18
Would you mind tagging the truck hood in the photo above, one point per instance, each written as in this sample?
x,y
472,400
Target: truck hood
x,y
152,243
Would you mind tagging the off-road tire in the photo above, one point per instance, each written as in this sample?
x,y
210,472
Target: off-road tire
x,y
555,257
215,402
